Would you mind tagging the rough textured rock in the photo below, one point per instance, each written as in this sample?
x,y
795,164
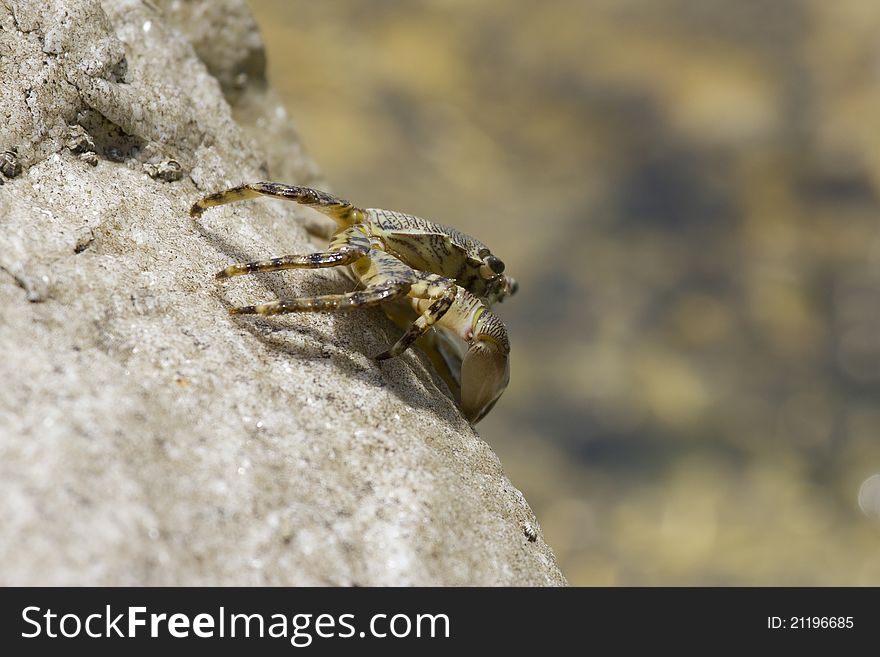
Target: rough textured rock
x,y
145,436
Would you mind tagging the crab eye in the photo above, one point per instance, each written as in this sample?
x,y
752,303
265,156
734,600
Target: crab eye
x,y
495,264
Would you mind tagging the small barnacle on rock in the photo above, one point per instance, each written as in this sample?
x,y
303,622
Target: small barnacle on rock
x,y
167,171
9,164
530,532
89,157
78,140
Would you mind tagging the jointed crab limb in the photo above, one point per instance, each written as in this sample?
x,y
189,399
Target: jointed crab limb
x,y
347,247
342,211
384,278
441,292
311,261
328,302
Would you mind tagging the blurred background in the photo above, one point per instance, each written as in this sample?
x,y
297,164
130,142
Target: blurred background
x,y
686,191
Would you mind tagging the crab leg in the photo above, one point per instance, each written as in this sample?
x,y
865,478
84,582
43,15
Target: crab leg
x,y
384,278
311,261
347,247
441,293
371,296
338,209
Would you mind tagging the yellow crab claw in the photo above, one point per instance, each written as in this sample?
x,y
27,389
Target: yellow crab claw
x,y
485,369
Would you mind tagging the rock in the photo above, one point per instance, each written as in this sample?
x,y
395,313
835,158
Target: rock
x,y
147,437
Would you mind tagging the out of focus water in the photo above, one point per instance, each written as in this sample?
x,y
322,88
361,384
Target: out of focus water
x,y
687,192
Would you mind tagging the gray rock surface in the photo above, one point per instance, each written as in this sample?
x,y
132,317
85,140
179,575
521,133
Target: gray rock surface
x,y
146,437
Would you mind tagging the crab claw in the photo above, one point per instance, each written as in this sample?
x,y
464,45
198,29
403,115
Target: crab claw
x,y
485,369
478,377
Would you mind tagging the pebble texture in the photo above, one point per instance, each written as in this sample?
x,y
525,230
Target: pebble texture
x,y
146,437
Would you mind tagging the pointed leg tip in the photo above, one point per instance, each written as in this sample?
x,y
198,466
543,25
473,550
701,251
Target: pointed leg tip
x,y
243,310
221,275
385,355
196,211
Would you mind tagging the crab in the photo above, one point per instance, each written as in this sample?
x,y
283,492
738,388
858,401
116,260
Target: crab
x,y
413,268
